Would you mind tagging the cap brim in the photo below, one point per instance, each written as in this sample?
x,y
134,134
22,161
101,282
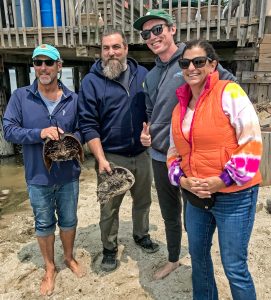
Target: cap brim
x,y
138,24
45,53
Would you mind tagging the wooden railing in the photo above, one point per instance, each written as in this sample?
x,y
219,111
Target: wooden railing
x,y
26,23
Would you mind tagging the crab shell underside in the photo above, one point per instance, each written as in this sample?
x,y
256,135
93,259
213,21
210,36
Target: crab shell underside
x,y
68,147
114,184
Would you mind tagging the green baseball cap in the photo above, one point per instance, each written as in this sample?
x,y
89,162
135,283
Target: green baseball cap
x,y
46,50
153,14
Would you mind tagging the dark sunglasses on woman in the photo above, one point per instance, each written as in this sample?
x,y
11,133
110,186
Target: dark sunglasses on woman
x,y
198,62
156,30
39,62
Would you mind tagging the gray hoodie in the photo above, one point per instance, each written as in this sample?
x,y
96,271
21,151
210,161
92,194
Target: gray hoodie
x,y
160,88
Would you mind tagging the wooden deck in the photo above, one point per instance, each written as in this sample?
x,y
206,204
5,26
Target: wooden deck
x,y
78,23
237,28
240,30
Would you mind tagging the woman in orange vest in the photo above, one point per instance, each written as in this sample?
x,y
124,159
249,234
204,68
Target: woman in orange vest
x,y
214,157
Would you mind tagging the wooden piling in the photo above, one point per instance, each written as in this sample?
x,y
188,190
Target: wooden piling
x,y
6,149
76,79
22,75
265,166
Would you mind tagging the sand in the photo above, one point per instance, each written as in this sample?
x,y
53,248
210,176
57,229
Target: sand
x,y
21,265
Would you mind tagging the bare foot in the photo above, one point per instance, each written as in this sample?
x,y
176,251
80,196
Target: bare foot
x,y
76,268
166,270
48,282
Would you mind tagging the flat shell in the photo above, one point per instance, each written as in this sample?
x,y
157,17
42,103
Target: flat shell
x,y
114,184
68,147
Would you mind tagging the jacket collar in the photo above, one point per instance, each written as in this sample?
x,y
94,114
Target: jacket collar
x,y
33,88
184,93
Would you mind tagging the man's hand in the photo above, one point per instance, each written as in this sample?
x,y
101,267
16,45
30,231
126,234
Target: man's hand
x,y
145,136
95,146
51,133
104,166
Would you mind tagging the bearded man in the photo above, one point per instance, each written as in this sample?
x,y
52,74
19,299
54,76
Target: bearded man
x,y
112,110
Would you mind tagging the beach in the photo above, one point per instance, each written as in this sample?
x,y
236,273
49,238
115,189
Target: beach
x,y
21,264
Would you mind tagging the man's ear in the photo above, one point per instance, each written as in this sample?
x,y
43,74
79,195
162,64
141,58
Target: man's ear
x,y
173,29
59,66
126,48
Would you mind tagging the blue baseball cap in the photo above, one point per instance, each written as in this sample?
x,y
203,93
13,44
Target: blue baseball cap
x,y
46,50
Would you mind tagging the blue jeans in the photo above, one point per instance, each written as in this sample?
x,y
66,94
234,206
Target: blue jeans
x,y
233,215
47,201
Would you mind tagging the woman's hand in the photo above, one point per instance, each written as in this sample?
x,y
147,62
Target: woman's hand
x,y
195,186
208,185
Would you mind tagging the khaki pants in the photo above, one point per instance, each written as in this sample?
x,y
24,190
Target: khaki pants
x,y
140,166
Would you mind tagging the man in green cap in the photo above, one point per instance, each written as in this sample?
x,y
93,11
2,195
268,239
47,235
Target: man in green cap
x,y
158,30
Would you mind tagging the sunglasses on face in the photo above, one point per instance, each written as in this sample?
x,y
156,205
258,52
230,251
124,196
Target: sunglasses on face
x,y
156,30
198,62
39,62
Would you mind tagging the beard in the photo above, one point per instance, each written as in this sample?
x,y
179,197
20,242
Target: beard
x,y
112,68
46,79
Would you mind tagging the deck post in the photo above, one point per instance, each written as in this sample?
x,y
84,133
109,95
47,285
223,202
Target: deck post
x,y
6,149
22,75
76,79
78,74
83,70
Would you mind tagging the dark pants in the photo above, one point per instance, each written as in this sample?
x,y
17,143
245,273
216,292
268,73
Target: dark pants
x,y
171,208
140,166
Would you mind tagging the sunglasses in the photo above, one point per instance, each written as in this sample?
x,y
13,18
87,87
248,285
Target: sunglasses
x,y
198,62
156,30
48,62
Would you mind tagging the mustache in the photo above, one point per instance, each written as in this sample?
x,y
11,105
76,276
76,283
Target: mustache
x,y
113,58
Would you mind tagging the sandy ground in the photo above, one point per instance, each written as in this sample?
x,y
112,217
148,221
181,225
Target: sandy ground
x,y
21,266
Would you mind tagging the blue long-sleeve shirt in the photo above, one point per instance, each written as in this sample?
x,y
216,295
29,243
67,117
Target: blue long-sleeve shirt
x,y
25,116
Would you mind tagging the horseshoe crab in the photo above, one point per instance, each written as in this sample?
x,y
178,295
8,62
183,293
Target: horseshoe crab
x,y
114,184
68,147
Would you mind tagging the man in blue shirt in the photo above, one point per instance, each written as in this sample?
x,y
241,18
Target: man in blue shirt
x,y
43,110
111,113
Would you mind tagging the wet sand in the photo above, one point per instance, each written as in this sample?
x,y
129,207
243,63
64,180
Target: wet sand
x,y
12,184
22,267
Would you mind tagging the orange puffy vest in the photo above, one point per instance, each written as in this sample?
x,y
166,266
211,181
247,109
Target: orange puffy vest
x,y
212,138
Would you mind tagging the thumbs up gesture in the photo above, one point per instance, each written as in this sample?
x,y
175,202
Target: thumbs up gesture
x,y
145,137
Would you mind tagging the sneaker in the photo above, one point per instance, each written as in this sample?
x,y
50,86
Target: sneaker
x,y
109,262
147,244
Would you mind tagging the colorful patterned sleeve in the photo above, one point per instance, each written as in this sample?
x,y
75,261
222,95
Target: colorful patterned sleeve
x,y
173,162
245,160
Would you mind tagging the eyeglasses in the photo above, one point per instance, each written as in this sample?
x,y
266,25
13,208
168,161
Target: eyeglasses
x,y
156,30
198,62
48,62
